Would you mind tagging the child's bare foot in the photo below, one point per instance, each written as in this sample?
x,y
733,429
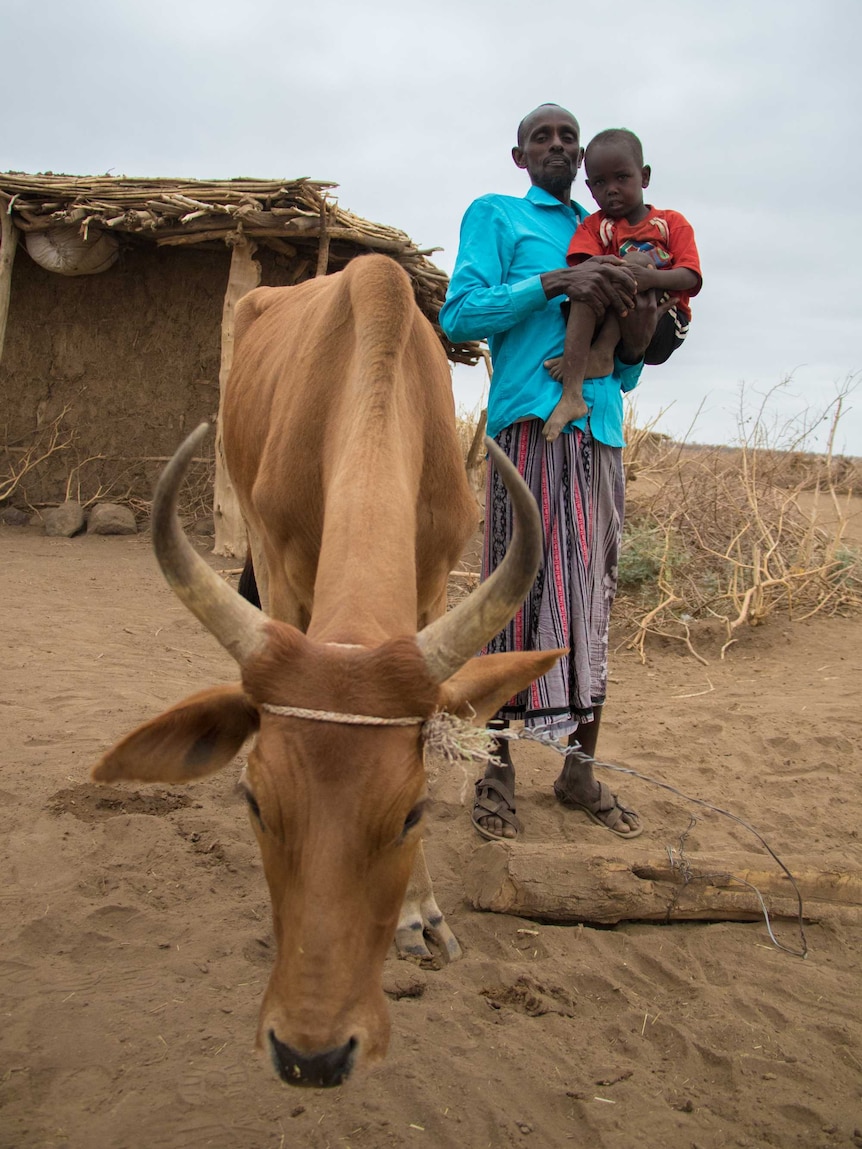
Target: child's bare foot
x,y
569,407
554,367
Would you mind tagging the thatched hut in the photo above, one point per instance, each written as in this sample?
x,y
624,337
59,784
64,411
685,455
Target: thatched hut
x,y
106,365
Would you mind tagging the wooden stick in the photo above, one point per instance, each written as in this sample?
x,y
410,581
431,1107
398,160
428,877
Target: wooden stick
x,y
281,246
230,533
8,245
323,247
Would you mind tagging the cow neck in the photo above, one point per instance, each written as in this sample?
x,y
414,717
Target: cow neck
x,y
365,589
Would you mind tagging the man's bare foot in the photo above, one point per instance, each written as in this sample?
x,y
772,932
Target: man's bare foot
x,y
554,367
569,407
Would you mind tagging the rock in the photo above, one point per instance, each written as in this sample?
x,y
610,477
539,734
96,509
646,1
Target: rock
x,y
111,519
65,520
204,527
14,517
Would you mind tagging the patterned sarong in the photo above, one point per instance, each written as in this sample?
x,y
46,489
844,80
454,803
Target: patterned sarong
x,y
579,485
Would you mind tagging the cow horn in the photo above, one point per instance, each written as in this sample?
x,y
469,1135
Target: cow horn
x,y
237,624
449,641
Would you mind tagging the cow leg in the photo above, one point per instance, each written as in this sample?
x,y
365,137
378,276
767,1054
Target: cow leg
x,y
261,570
277,597
420,914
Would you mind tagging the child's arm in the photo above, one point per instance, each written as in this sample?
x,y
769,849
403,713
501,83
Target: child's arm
x,y
685,275
666,279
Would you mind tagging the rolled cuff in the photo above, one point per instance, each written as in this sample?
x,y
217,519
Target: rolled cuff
x,y
529,295
628,373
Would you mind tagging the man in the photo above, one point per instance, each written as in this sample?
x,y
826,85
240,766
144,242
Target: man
x,y
507,287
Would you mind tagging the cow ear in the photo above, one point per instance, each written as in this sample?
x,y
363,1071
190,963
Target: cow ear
x,y
482,685
196,737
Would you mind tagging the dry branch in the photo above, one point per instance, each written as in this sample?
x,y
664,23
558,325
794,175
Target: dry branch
x,y
49,440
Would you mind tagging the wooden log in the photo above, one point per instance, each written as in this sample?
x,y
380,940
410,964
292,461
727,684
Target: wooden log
x,y
8,244
281,247
605,885
230,534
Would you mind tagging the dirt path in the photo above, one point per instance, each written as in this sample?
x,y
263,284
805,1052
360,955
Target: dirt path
x,y
135,940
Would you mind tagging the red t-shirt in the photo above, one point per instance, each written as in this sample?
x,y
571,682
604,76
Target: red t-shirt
x,y
666,235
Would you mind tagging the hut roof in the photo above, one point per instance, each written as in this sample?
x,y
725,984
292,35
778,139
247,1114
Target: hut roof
x,y
297,218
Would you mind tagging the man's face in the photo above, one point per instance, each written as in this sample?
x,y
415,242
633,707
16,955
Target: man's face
x,y
616,180
550,150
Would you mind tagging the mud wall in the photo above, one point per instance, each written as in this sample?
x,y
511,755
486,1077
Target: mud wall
x,y
132,356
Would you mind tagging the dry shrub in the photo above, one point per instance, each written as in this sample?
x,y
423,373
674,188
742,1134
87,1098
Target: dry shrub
x,y
84,476
49,440
470,427
195,496
718,535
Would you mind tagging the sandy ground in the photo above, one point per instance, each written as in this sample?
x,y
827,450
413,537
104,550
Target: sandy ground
x,y
135,940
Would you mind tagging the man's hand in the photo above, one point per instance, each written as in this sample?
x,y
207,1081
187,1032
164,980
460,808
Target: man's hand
x,y
601,282
638,327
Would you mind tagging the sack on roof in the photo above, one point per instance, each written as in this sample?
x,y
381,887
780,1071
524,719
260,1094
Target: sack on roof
x,y
65,251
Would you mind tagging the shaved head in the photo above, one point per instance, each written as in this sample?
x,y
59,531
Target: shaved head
x,y
537,113
622,137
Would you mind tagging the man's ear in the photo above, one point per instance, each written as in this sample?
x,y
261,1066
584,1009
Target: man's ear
x,y
196,737
481,686
581,158
519,157
647,172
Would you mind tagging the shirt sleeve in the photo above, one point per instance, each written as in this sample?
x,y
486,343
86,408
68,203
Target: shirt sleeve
x,y
479,301
585,243
628,373
684,248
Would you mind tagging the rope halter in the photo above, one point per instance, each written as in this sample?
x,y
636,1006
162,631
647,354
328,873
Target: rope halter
x,y
444,734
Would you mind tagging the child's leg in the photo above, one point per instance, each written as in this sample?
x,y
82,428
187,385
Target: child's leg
x,y
601,358
576,352
601,361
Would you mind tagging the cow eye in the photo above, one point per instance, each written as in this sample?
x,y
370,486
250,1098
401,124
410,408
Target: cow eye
x,y
413,818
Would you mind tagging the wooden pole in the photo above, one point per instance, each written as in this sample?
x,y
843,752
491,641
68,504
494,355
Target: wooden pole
x,y
244,276
323,246
604,885
8,244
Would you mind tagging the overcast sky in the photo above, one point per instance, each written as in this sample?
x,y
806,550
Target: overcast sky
x,y
749,115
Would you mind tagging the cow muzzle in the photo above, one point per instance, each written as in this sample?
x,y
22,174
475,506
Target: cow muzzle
x,y
314,1071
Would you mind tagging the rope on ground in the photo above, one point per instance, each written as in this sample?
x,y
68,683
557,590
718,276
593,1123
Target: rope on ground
x,y
561,748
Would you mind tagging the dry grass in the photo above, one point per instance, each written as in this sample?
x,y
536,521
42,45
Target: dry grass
x,y
718,539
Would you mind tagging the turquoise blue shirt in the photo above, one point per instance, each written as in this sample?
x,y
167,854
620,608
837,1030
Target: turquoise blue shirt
x,y
496,294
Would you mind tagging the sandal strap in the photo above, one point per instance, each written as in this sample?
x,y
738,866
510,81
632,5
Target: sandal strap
x,y
503,808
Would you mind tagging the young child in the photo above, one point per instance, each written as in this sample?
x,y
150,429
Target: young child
x,y
660,247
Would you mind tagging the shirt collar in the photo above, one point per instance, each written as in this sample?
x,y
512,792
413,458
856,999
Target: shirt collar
x,y
545,199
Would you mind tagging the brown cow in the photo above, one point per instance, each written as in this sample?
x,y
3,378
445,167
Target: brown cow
x,y
339,436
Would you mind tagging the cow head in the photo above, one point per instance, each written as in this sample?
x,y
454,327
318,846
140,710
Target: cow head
x,y
336,804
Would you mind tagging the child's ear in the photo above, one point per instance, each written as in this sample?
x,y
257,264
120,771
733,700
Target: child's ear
x,y
647,172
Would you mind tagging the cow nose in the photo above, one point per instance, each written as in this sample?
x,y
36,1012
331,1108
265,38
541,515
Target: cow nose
x,y
319,1071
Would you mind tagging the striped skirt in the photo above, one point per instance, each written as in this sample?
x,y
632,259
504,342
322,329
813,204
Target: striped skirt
x,y
579,485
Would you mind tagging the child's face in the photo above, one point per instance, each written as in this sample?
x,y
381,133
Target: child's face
x,y
616,180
